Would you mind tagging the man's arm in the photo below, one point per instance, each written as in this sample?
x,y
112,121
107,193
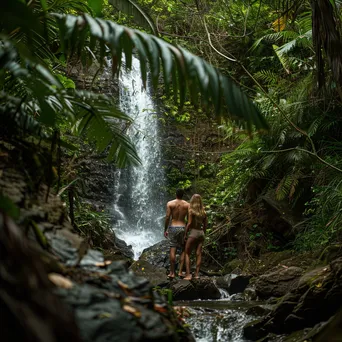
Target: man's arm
x,y
167,219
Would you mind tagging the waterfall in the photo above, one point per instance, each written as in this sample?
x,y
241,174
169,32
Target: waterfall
x,y
140,205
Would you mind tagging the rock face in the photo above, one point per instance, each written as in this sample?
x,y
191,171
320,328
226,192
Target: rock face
x,y
158,254
156,275
277,283
203,288
117,305
316,298
233,283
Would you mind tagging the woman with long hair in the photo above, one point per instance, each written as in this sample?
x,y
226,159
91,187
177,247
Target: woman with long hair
x,y
197,225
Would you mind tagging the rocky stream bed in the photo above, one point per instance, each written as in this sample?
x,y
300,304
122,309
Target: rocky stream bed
x,y
54,287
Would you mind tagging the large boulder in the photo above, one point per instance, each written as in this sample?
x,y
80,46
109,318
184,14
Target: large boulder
x,y
203,288
158,254
233,266
233,283
156,275
278,282
316,298
117,305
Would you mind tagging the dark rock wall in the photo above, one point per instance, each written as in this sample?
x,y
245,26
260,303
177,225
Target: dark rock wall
x,y
97,174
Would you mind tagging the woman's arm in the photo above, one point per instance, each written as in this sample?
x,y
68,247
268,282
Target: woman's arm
x,y
205,223
187,227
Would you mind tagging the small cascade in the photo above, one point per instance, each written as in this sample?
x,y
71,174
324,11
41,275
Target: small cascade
x,y
224,294
208,325
139,206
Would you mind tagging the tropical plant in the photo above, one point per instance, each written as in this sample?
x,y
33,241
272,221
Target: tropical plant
x,y
42,97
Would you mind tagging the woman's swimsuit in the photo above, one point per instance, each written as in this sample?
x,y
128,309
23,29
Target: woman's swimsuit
x,y
197,234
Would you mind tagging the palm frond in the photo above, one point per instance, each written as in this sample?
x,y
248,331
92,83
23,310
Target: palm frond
x,y
139,16
286,62
98,119
16,118
46,100
287,186
304,40
182,70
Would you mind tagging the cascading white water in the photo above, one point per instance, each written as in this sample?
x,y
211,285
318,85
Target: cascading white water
x,y
139,208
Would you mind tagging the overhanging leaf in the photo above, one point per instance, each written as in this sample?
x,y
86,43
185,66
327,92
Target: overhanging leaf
x,y
139,16
228,99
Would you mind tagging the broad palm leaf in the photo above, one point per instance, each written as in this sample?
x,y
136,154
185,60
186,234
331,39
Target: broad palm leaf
x,y
139,16
184,74
181,70
41,101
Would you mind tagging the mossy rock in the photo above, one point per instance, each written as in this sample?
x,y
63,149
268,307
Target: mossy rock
x,y
232,266
331,253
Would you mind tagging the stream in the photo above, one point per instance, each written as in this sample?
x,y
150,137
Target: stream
x,y
217,320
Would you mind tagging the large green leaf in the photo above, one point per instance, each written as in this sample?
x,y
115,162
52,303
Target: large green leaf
x,y
139,16
98,119
45,101
190,74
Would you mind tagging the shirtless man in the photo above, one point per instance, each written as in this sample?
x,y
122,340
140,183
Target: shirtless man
x,y
177,210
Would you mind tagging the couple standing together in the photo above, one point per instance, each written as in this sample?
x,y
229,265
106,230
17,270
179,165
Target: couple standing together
x,y
177,231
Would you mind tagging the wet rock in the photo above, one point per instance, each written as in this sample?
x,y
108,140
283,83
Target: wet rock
x,y
259,310
278,282
92,259
122,246
158,254
317,297
156,275
250,294
68,246
238,283
326,331
253,330
203,288
115,248
118,306
233,283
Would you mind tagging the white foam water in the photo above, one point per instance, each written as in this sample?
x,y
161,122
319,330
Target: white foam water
x,y
139,207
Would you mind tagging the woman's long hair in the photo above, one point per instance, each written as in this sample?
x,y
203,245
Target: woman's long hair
x,y
196,208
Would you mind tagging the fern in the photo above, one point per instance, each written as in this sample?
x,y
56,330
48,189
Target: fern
x,y
267,76
287,186
275,37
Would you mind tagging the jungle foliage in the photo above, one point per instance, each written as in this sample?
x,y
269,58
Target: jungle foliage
x,y
40,42
285,55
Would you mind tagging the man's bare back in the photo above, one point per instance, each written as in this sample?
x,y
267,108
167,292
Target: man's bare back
x,y
178,210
